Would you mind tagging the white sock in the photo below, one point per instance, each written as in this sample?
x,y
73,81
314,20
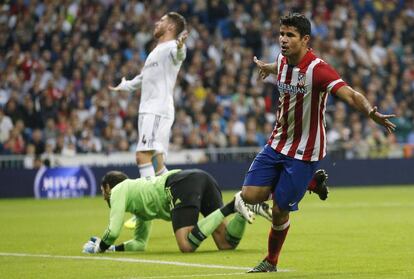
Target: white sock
x,y
281,227
162,171
146,170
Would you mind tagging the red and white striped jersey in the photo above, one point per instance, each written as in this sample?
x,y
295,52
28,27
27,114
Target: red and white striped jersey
x,y
300,127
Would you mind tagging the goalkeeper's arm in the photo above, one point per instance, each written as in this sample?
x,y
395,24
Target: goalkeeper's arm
x,y
140,241
95,245
103,246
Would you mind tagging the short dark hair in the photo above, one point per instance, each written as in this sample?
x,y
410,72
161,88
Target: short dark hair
x,y
299,21
113,178
179,22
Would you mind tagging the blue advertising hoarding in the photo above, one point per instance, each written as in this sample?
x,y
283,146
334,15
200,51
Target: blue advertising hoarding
x,y
56,183
80,181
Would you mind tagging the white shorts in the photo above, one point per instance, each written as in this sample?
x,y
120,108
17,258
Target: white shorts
x,y
154,133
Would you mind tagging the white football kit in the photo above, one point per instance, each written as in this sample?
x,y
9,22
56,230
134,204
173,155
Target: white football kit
x,y
156,109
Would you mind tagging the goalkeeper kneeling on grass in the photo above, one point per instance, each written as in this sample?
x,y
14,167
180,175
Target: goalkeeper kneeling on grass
x,y
177,196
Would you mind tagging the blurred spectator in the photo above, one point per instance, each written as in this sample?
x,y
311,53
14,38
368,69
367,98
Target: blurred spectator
x,y
50,133
356,147
5,126
215,137
28,162
404,125
15,144
37,141
377,144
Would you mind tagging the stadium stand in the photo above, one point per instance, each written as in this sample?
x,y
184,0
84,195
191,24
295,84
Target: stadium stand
x,y
57,59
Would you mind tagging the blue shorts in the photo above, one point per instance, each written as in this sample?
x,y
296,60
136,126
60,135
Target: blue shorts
x,y
288,177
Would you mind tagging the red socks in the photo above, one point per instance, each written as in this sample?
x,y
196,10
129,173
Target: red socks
x,y
277,236
312,184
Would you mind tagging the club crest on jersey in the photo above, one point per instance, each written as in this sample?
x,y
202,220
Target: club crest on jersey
x,y
301,80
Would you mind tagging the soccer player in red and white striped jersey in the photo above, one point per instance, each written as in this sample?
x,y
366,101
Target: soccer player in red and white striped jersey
x,y
287,163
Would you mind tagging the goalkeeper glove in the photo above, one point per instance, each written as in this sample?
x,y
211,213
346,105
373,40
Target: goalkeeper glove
x,y
92,246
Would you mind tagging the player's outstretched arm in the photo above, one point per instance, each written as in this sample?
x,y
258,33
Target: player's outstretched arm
x,y
382,119
265,69
128,85
359,102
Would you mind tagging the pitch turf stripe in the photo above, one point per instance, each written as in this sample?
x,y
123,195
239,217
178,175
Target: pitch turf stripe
x,y
360,205
128,260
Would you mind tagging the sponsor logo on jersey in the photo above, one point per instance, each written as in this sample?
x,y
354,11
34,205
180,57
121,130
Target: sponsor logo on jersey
x,y
55,183
151,65
290,89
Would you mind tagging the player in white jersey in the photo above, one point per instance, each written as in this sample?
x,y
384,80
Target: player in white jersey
x,y
156,81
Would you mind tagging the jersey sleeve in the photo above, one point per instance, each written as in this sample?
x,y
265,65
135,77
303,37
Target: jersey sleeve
x,y
178,55
327,79
141,236
131,85
116,216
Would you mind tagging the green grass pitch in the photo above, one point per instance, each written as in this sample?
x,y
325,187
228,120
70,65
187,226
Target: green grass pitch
x,y
365,232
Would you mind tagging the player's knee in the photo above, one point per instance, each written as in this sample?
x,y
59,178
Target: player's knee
x,y
254,195
186,248
279,216
227,247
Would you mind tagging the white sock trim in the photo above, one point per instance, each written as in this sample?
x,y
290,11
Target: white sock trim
x,y
161,171
281,227
146,170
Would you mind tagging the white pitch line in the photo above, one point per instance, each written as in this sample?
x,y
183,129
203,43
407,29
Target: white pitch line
x,y
128,260
190,275
201,275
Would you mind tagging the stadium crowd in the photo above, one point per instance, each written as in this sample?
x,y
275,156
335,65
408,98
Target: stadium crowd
x,y
57,59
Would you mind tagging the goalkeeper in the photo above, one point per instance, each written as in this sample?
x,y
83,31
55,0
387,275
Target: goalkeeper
x,y
177,196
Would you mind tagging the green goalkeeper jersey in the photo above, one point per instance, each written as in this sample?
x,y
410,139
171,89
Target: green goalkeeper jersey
x,y
146,198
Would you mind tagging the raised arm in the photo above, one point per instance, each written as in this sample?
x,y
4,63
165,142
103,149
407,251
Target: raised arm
x,y
178,54
360,103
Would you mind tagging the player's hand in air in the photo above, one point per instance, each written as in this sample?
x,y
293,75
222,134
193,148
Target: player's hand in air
x,y
263,69
382,119
181,39
92,246
118,87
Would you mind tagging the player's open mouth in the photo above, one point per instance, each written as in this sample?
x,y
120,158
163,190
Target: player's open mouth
x,y
284,48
